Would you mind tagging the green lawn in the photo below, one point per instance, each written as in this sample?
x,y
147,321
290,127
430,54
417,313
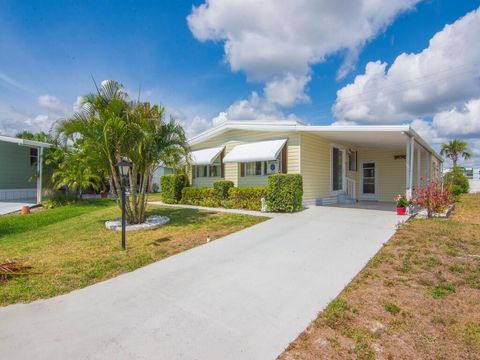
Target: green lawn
x,y
69,247
418,298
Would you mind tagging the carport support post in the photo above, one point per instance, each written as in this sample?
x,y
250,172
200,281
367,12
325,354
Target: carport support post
x,y
39,174
409,166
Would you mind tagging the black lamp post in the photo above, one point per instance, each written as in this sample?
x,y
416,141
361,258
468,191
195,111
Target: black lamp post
x,y
123,169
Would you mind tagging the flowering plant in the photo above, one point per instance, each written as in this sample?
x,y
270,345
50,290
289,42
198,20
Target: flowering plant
x,y
402,201
434,197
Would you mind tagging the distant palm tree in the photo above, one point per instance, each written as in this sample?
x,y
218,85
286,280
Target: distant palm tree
x,y
454,149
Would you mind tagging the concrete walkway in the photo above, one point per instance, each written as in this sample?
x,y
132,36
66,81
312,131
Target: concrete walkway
x,y
246,296
231,211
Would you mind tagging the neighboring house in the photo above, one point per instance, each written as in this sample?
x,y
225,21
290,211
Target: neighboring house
x,y
157,176
21,169
473,175
338,163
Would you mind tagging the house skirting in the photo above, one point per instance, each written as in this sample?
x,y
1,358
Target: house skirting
x,y
17,194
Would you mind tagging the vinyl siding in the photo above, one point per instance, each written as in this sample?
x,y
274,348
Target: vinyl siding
x,y
316,163
205,181
235,137
390,173
16,170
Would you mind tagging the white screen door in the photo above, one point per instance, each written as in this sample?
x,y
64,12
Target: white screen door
x,y
369,180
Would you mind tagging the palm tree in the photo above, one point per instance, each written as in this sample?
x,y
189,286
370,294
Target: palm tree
x,y
454,149
76,174
110,127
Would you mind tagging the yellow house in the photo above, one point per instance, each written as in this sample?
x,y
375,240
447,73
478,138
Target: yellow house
x,y
338,163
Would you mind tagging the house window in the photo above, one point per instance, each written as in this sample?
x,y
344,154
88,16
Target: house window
x,y
201,171
469,173
214,170
256,168
352,160
33,156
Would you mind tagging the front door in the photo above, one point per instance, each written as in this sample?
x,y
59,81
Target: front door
x,y
338,169
369,180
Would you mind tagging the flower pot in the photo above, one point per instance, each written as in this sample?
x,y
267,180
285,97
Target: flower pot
x,y
401,211
25,210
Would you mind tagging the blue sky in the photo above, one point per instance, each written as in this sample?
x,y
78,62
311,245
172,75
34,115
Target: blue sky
x,y
53,48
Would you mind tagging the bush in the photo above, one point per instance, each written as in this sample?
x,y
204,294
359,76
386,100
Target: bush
x,y
434,198
221,188
199,196
172,186
248,198
284,192
456,191
58,200
456,180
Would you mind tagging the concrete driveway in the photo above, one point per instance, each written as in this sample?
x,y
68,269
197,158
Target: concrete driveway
x,y
7,207
246,296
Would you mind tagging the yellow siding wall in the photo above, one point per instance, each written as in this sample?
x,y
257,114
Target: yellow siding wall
x,y
234,137
315,166
391,173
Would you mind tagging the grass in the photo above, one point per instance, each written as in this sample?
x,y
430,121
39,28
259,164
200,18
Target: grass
x,y
430,273
69,247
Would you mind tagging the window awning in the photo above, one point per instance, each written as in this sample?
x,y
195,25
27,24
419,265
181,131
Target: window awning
x,y
257,151
205,156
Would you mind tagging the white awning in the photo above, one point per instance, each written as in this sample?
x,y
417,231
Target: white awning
x,y
257,151
205,156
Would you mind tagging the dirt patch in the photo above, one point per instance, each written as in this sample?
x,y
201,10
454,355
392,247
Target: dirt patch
x,y
418,298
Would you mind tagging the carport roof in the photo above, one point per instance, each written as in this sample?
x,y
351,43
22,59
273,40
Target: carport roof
x,y
373,136
25,142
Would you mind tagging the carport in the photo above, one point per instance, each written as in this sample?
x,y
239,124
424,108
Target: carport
x,y
21,164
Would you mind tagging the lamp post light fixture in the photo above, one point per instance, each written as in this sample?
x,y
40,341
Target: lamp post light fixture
x,y
123,168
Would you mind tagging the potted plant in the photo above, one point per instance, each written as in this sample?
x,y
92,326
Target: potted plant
x,y
402,204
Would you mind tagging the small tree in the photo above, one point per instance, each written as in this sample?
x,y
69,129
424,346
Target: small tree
x,y
454,149
76,174
434,197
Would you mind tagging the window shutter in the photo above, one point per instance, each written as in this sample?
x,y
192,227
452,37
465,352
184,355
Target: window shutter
x,y
222,165
193,171
284,159
242,169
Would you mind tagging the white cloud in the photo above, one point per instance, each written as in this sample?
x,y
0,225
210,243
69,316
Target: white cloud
x,y
277,43
461,122
288,90
13,121
445,74
53,104
13,83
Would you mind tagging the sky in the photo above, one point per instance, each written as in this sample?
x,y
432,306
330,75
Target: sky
x,y
322,62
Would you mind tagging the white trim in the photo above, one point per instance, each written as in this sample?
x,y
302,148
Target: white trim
x,y
343,149
296,126
25,142
363,196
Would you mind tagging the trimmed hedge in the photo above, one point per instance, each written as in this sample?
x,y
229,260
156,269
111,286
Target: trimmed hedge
x,y
284,192
199,196
172,186
247,198
221,188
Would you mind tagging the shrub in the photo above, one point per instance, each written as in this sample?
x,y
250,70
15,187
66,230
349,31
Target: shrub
x,y
199,196
172,186
457,179
284,192
248,198
433,197
58,200
456,191
402,201
221,188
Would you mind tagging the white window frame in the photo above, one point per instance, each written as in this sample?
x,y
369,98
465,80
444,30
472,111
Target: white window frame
x,y
373,197
264,166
